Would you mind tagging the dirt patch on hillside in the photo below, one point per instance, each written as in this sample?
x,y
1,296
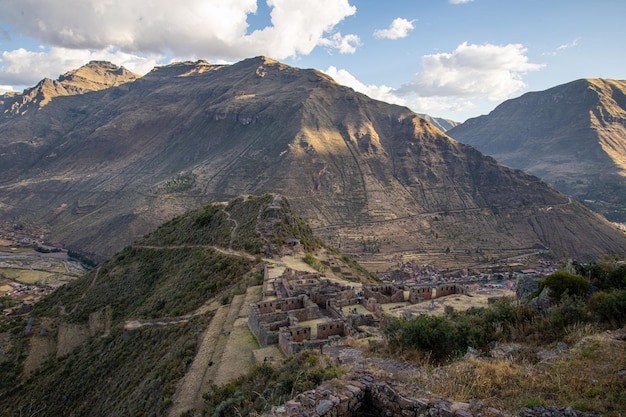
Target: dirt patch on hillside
x,y
69,337
41,346
5,345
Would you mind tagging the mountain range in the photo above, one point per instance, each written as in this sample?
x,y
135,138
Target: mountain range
x,y
573,136
98,169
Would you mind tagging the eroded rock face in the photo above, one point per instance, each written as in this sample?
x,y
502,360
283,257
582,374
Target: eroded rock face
x,y
526,286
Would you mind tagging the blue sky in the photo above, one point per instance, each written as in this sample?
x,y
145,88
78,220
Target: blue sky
x,y
449,58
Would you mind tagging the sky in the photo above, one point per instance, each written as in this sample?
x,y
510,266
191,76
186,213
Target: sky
x,y
455,59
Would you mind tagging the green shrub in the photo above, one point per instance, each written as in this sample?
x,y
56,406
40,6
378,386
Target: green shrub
x,y
570,310
207,215
311,260
561,282
617,278
428,334
609,307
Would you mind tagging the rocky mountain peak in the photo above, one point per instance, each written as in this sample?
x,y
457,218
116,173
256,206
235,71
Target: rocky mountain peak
x,y
94,76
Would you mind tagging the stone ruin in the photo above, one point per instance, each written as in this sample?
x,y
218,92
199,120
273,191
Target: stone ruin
x,y
304,310
362,392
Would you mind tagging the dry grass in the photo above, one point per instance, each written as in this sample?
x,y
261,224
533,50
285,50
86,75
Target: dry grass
x,y
237,357
588,377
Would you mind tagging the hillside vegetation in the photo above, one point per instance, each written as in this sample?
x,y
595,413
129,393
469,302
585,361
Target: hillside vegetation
x,y
561,346
118,340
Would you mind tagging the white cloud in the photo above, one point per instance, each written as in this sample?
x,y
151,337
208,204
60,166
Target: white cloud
x,y
381,92
399,28
459,1
451,82
297,28
345,44
563,47
207,28
25,68
487,70
123,31
6,89
428,105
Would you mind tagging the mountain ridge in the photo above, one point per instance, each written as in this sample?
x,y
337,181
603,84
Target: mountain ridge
x,y
572,135
94,76
103,168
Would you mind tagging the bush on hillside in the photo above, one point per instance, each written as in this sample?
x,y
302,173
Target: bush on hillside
x,y
432,334
561,282
609,307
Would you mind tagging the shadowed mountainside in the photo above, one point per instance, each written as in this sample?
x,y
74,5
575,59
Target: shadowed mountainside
x,y
573,136
100,169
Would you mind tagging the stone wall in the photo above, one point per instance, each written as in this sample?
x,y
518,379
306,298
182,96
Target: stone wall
x,y
293,347
361,391
322,296
384,294
330,328
420,293
449,289
287,336
265,326
292,303
265,318
357,320
266,307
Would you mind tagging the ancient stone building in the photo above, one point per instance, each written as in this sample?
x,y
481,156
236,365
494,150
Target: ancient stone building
x,y
384,294
297,297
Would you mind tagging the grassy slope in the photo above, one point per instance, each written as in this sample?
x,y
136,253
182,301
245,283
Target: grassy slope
x,y
169,273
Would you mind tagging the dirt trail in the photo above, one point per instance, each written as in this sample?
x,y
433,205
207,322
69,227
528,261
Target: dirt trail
x,y
233,232
232,252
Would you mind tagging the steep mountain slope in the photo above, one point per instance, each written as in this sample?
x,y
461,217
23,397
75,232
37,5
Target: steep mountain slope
x,y
572,136
95,76
101,169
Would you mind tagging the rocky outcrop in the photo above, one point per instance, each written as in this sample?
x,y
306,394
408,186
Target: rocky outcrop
x,y
365,393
